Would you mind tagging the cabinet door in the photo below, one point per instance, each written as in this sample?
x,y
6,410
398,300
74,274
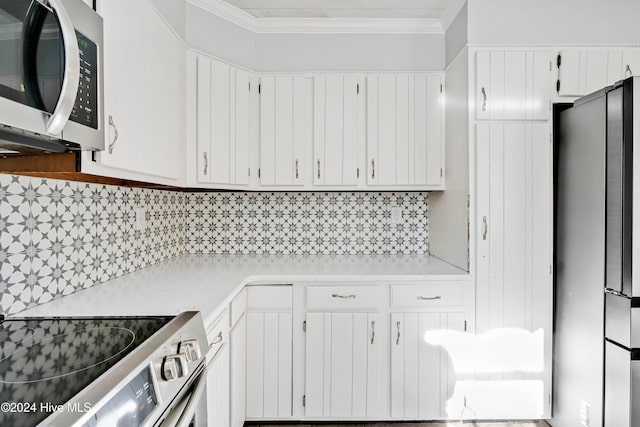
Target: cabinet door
x,y
124,73
285,108
215,80
144,132
337,130
342,365
404,130
583,71
422,374
512,85
218,389
513,277
238,353
630,62
239,155
269,365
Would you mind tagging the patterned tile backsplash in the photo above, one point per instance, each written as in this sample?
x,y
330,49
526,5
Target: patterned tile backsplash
x,y
57,237
307,223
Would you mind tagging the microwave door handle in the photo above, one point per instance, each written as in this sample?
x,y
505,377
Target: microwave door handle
x,y
71,74
32,30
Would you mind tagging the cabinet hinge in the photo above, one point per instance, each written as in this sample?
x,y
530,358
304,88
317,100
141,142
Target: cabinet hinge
x,y
558,85
358,88
304,400
259,87
304,326
465,326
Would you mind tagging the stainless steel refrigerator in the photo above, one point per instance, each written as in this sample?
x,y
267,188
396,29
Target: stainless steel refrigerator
x,y
596,343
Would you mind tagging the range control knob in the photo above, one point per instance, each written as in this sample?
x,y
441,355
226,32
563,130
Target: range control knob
x,y
174,366
191,349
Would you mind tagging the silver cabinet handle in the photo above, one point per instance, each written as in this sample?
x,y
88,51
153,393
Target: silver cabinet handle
x,y
485,228
297,169
115,136
484,99
373,169
206,163
318,168
398,336
352,296
71,73
420,297
217,340
373,331
628,72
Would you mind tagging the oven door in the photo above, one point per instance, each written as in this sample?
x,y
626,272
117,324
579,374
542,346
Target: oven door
x,y
190,408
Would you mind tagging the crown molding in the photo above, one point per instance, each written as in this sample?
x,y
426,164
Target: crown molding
x,y
319,25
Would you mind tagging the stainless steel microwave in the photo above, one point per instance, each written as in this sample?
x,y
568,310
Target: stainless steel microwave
x,y
50,77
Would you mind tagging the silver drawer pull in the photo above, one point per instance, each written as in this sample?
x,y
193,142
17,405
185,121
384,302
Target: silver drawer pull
x,y
342,296
398,336
217,340
420,297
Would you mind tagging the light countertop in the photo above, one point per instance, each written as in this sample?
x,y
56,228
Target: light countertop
x,y
208,282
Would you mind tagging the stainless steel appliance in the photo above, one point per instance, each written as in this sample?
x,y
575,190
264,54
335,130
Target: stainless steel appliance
x,y
597,296
133,371
50,77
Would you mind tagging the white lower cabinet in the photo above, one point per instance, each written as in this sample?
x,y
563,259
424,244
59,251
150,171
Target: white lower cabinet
x,y
238,362
423,365
342,365
218,388
218,380
269,352
360,351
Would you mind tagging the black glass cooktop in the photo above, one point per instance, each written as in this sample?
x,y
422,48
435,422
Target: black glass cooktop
x,y
45,362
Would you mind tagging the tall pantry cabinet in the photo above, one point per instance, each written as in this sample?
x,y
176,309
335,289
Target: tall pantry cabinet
x,y
513,193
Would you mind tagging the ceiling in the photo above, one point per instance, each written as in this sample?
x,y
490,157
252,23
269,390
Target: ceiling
x,y
347,9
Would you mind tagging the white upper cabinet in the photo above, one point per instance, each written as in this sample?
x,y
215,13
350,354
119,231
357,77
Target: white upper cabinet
x,y
339,129
512,85
583,71
223,122
405,131
286,128
144,110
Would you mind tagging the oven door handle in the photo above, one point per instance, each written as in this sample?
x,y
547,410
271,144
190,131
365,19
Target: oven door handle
x,y
71,74
182,414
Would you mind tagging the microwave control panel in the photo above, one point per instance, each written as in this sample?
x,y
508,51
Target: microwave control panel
x,y
85,110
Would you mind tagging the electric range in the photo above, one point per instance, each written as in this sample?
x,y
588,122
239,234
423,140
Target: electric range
x,y
109,371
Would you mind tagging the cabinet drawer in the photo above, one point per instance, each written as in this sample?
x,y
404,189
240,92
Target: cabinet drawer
x,y
433,295
238,306
343,297
269,298
217,334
